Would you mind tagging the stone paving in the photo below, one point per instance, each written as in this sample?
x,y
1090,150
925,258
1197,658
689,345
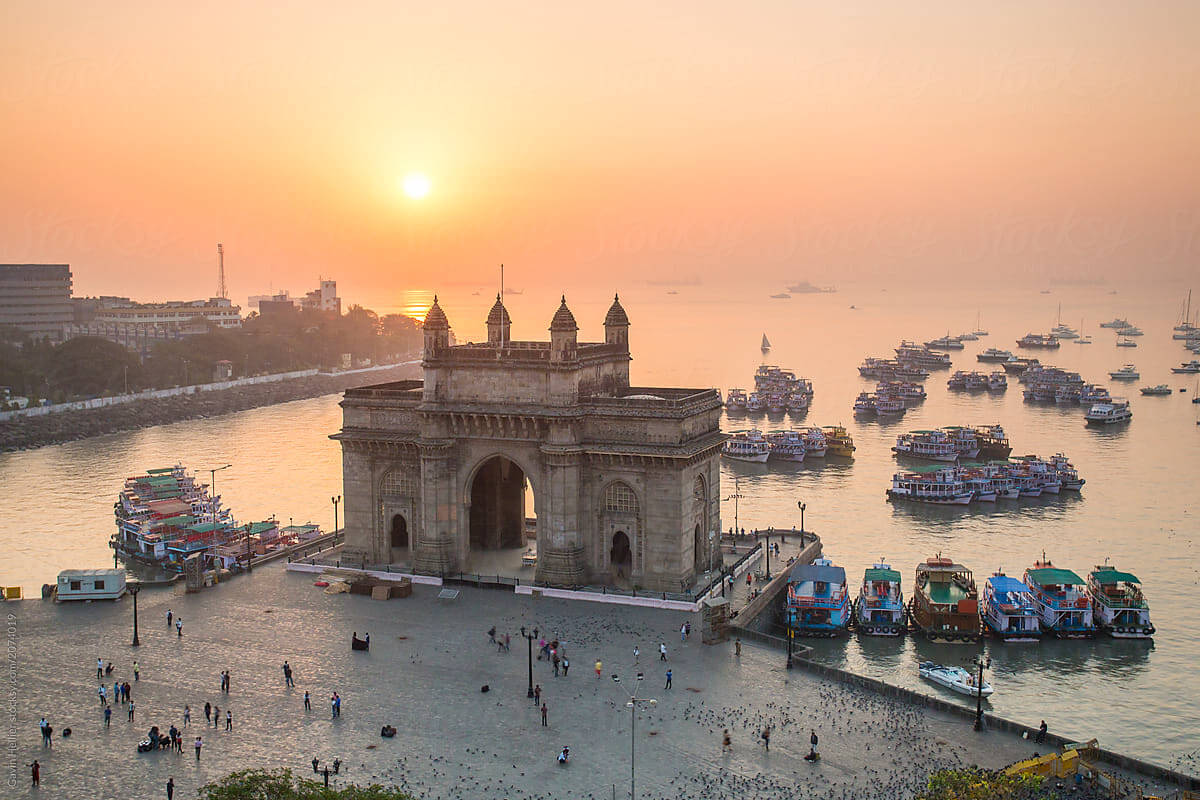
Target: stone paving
x,y
428,660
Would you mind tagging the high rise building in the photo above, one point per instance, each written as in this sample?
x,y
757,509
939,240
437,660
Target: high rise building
x,y
36,298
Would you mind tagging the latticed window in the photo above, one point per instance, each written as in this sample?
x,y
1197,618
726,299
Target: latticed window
x,y
400,482
699,490
620,497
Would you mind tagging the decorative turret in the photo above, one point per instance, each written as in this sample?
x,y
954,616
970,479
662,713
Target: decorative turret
x,y
498,324
563,334
616,325
437,330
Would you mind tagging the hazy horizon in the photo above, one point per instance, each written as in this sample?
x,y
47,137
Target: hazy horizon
x,y
769,143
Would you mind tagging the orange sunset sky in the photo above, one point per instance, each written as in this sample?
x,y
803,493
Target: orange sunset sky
x,y
626,140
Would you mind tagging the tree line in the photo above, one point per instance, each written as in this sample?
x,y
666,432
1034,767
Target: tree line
x,y
90,366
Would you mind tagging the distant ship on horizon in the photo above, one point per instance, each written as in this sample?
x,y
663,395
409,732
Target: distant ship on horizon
x,y
804,287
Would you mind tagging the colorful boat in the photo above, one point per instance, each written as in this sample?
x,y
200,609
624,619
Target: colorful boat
x,y
879,610
1008,610
1118,605
945,603
838,442
786,446
1062,602
818,603
935,485
746,446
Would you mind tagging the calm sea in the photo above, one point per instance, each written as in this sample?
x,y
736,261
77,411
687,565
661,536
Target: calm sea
x,y
1136,509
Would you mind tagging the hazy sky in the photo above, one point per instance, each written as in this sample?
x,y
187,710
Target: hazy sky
x,y
727,141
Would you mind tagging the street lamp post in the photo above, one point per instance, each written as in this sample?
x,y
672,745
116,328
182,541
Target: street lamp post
x,y
133,589
529,637
768,535
335,501
213,474
802,506
249,555
980,663
632,706
735,497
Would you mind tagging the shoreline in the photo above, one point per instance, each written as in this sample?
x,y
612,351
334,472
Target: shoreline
x,y
27,433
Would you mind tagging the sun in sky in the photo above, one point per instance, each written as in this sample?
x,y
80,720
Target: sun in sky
x,y
416,185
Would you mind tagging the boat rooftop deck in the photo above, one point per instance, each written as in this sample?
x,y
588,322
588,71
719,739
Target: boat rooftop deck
x,y
949,593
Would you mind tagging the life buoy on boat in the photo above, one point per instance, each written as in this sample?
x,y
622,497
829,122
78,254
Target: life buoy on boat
x,y
321,583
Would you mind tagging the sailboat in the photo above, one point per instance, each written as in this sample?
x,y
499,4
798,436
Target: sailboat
x,y
1186,329
979,331
766,345
1063,331
1083,337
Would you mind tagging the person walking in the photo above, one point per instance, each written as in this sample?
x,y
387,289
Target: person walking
x,y
35,772
228,720
116,695
169,618
599,666
179,631
170,781
537,694
187,716
207,713
131,711
812,746
307,704
492,634
637,654
766,738
287,674
554,662
216,720
737,647
99,668
668,686
683,633
125,689
662,651
566,666
103,697
198,745
544,724
48,733
506,643
136,677
726,742
108,716
1041,734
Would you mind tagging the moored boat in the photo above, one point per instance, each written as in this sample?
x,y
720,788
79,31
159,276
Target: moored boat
x,y
1118,605
785,446
945,603
746,446
818,603
1008,610
946,342
1113,412
1128,372
735,400
1187,367
1039,340
935,485
879,610
838,442
1155,391
1064,609
997,382
926,445
955,679
994,355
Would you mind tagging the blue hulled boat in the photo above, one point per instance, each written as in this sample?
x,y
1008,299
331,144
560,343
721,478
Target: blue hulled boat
x,y
817,601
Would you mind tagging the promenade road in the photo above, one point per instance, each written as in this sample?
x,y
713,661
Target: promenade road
x,y
423,674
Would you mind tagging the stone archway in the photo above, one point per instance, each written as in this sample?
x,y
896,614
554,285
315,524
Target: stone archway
x,y
497,512
621,555
399,532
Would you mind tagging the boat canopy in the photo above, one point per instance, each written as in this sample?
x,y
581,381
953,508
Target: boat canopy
x,y
817,572
1110,575
1004,584
877,574
1054,575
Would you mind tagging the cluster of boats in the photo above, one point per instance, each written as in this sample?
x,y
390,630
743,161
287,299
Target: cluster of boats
x,y
775,390
789,445
954,442
947,605
165,516
1048,384
970,381
966,483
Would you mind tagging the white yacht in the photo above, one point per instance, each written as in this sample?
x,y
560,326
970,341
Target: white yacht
x,y
1008,610
926,445
1187,367
814,442
1114,411
746,446
994,355
1115,323
937,485
956,679
1128,372
1123,342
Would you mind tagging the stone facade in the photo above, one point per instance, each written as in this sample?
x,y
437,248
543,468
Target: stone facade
x,y
625,480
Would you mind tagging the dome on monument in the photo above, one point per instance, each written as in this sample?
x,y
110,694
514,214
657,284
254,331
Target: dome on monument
x,y
616,314
435,318
563,320
498,314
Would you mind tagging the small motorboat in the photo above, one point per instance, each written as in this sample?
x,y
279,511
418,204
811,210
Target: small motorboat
x,y
360,644
956,679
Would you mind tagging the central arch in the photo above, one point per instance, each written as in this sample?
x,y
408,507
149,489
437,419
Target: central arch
x,y
399,534
497,517
621,554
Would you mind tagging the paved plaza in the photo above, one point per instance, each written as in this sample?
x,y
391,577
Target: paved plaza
x,y
429,659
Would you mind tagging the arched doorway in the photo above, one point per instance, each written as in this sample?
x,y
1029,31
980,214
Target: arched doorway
x,y
399,532
497,505
621,555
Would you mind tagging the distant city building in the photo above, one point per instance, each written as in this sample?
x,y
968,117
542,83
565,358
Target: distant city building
x,y
36,298
323,298
139,326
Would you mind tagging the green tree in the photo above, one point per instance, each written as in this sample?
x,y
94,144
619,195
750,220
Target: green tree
x,y
972,783
88,366
257,784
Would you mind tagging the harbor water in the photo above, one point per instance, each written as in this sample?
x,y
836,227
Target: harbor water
x,y
1135,511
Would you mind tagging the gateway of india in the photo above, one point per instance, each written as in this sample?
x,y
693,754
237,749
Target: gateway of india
x,y
625,480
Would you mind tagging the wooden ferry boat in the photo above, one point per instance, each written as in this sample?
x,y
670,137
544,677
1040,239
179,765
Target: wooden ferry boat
x,y
945,603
